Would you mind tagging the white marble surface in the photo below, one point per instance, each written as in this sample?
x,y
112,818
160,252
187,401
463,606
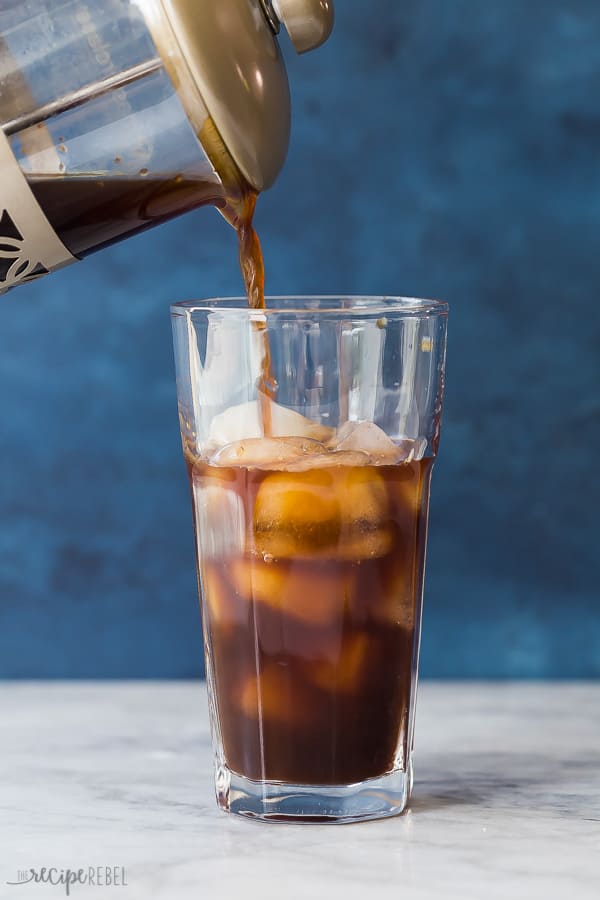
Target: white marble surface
x,y
506,801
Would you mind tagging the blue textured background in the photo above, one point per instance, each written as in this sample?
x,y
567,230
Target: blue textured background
x,y
440,149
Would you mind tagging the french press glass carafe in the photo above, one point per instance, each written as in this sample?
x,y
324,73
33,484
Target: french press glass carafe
x,y
116,115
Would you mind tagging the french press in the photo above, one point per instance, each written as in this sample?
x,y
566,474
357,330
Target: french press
x,y
116,115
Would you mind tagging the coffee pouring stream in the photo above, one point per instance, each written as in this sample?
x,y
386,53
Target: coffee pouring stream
x,y
116,115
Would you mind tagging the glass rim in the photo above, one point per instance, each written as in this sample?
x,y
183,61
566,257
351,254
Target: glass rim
x,y
321,304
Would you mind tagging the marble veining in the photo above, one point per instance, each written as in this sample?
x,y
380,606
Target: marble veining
x,y
506,800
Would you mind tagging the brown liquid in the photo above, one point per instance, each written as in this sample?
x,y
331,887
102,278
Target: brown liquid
x,y
239,211
312,596
89,212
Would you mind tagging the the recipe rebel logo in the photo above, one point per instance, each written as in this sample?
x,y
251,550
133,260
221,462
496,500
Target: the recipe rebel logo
x,y
92,876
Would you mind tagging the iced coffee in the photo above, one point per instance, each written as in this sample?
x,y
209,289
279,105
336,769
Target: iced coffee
x,y
311,548
310,426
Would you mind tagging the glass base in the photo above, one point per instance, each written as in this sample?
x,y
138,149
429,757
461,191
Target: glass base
x,y
275,801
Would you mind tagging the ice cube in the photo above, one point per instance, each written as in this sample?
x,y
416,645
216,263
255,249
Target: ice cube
x,y
260,584
266,452
418,447
394,603
287,423
340,512
244,421
409,491
411,449
274,694
220,523
224,607
303,507
343,672
365,530
369,438
401,606
311,596
365,543
329,459
364,496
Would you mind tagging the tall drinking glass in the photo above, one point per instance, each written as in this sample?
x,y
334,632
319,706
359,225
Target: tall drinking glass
x,y
310,504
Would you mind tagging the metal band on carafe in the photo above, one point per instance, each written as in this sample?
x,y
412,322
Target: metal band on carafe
x,y
29,246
